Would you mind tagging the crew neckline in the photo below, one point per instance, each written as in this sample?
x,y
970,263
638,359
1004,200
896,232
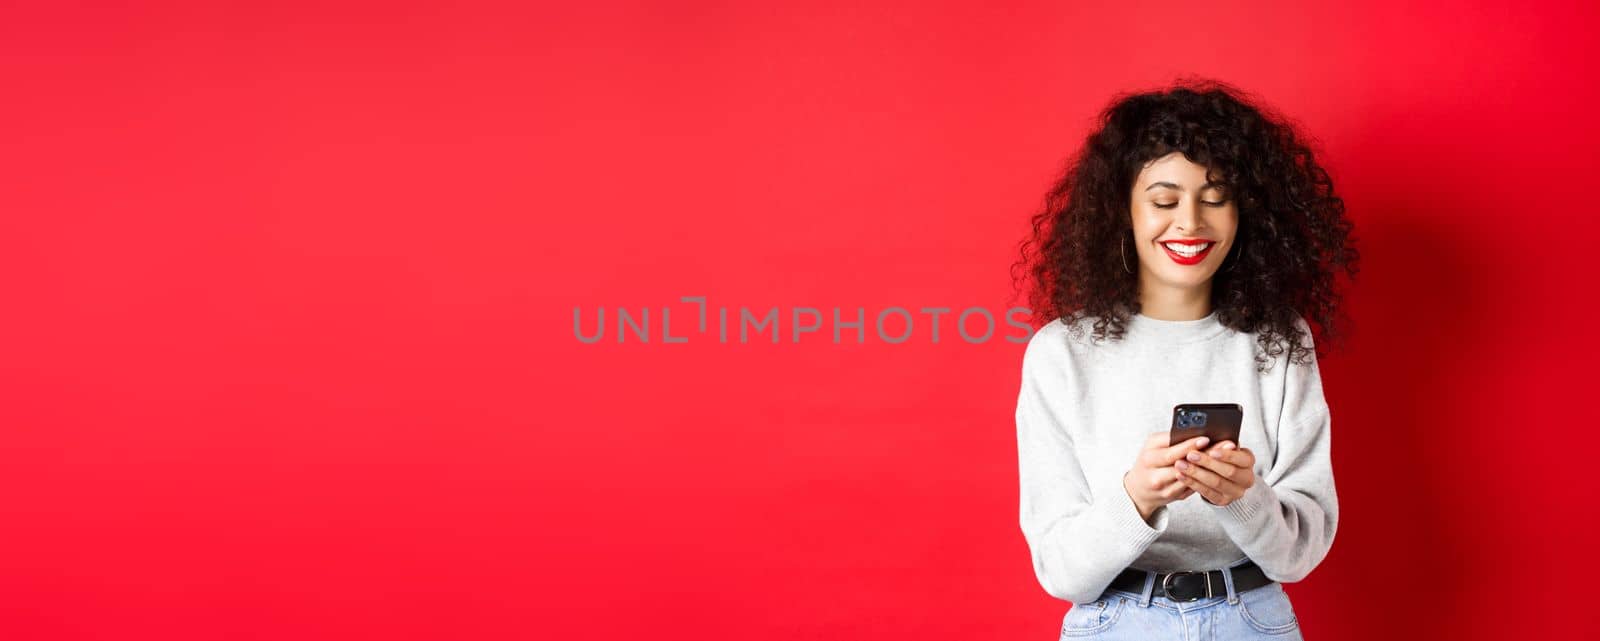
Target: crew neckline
x,y
1145,328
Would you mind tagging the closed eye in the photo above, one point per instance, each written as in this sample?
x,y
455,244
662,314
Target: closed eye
x,y
1203,202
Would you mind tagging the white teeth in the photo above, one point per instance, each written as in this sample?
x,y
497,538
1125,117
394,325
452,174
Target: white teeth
x,y
1187,251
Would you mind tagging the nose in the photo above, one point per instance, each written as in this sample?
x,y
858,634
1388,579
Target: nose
x,y
1187,219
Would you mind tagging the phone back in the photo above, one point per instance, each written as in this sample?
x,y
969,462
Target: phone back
x,y
1219,421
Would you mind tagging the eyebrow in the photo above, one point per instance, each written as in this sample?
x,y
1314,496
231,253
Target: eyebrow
x,y
1175,186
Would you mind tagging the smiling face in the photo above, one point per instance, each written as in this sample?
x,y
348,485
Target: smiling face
x,y
1183,226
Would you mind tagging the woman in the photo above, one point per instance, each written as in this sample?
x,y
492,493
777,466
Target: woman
x,y
1182,257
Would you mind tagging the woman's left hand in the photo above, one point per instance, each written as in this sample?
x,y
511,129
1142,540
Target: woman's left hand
x,y
1221,474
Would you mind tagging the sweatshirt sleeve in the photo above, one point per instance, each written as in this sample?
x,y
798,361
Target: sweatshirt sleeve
x,y
1286,521
1081,533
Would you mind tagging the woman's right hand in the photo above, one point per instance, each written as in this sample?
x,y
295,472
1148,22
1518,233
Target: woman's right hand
x,y
1153,481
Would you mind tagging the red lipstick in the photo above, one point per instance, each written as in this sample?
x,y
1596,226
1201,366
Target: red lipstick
x,y
1188,260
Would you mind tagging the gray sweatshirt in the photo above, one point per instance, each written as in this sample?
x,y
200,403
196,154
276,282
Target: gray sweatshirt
x,y
1083,413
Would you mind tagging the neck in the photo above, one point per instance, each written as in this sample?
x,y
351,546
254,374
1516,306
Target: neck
x,y
1174,304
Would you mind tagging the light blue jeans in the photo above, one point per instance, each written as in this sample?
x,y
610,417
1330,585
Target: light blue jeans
x,y
1262,613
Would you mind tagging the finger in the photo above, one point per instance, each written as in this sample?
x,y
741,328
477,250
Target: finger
x,y
1210,461
1161,478
1205,492
1154,444
1162,454
1173,453
1171,478
1231,453
1208,478
1237,457
1174,491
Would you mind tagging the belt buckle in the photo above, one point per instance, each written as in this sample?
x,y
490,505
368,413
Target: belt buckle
x,y
1166,585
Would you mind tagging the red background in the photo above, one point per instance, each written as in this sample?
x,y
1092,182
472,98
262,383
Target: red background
x,y
288,346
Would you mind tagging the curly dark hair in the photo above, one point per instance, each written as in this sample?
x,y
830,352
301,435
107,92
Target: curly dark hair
x,y
1292,239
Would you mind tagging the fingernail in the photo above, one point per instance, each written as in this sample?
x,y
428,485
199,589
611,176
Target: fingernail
x,y
1202,441
1183,465
1215,454
1193,456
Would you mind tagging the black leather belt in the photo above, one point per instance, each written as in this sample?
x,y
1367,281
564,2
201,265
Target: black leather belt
x,y
1193,586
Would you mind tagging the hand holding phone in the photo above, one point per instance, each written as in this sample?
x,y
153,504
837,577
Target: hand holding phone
x,y
1219,476
1153,481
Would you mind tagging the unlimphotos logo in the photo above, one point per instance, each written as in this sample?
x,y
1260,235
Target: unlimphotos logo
x,y
893,324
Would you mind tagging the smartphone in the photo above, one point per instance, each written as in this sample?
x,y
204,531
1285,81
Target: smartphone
x,y
1219,421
